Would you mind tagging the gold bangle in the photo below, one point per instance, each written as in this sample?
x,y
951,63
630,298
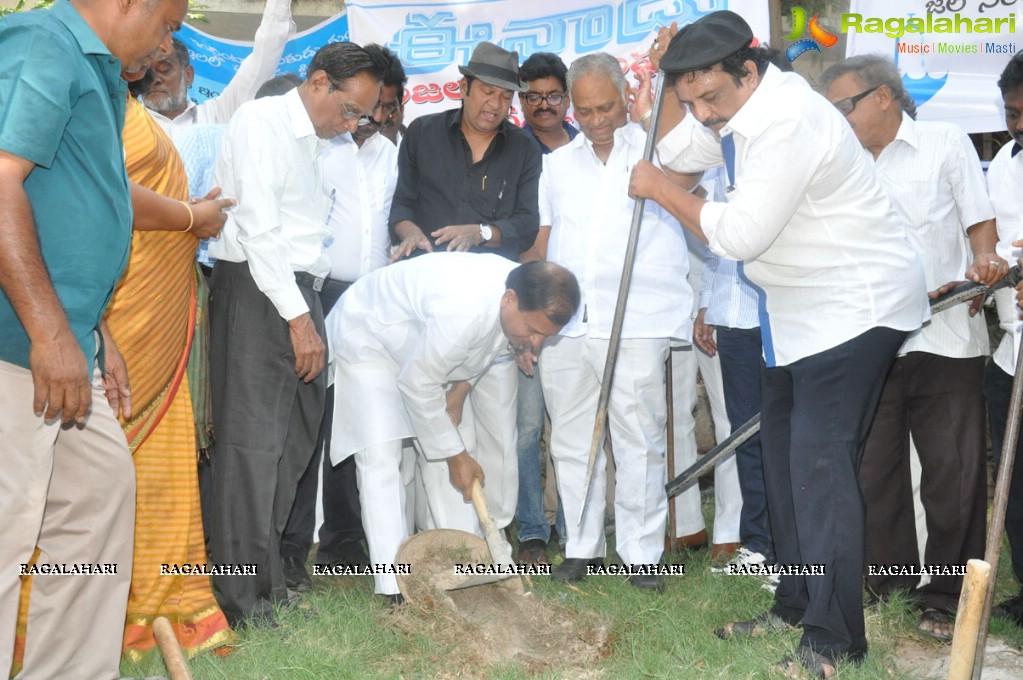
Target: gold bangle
x,y
191,216
644,120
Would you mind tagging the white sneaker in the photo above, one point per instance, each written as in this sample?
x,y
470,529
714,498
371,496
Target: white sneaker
x,y
742,558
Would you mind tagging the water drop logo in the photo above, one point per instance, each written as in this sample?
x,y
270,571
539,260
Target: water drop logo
x,y
819,36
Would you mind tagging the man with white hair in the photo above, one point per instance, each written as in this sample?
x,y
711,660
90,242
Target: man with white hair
x,y
585,211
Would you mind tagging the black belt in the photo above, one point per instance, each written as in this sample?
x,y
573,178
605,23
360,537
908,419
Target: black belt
x,y
309,281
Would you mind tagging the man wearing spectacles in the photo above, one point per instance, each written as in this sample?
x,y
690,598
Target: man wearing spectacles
x,y
933,394
545,101
360,172
266,319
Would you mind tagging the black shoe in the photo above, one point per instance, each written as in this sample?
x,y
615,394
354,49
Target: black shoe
x,y
574,568
295,575
396,600
1011,609
654,582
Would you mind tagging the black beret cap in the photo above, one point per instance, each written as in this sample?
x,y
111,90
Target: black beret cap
x,y
706,41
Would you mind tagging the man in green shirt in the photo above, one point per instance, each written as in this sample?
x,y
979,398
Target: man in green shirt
x,y
66,478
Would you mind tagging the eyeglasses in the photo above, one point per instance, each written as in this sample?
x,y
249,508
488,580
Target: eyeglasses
x,y
846,106
534,98
348,112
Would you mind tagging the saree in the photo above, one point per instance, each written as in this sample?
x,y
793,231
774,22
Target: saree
x,y
154,317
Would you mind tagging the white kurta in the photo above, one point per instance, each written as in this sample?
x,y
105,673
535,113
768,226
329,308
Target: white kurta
x,y
398,337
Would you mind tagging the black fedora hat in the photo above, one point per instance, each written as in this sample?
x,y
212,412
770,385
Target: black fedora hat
x,y
494,66
706,41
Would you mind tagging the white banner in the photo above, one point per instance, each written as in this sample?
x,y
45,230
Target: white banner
x,y
952,74
433,37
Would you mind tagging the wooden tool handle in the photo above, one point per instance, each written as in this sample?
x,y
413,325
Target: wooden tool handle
x,y
968,620
490,533
173,659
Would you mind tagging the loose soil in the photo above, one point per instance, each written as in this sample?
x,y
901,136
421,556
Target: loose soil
x,y
492,625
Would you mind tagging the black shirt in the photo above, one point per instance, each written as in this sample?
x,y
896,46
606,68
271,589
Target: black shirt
x,y
438,184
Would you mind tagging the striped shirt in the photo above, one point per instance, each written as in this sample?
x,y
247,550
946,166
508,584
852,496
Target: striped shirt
x,y
933,175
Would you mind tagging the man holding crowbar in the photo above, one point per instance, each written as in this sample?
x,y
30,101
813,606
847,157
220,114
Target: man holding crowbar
x,y
840,288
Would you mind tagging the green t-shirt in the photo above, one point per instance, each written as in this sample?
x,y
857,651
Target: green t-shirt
x,y
62,104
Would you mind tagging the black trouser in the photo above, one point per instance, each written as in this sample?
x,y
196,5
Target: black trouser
x,y
267,421
341,532
937,401
741,356
815,418
998,390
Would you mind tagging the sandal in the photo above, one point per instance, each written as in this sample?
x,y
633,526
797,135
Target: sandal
x,y
756,627
932,620
807,661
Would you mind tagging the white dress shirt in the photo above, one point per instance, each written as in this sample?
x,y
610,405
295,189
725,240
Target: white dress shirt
x,y
269,161
1004,181
818,235
400,335
586,203
933,175
255,69
359,183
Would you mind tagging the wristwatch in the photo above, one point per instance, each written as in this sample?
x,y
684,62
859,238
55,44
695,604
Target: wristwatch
x,y
486,233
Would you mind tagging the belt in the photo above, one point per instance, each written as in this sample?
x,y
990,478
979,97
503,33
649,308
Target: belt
x,y
309,281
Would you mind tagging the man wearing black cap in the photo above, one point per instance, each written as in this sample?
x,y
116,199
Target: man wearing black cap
x,y
840,288
468,178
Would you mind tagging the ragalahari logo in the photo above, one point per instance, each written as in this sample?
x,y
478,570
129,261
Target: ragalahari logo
x,y
819,36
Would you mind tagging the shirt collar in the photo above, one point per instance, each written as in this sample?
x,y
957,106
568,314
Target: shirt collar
x,y
908,132
87,39
301,123
755,115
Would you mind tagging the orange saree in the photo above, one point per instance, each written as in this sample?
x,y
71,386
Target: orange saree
x,y
152,317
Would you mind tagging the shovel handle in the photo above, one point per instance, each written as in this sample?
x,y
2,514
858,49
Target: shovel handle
x,y
498,549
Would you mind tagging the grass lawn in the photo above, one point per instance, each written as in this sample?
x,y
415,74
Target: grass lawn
x,y
341,630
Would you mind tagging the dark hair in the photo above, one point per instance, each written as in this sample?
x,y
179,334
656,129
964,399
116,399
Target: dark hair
x,y
544,65
1012,76
343,60
872,70
734,64
392,73
546,287
778,58
279,85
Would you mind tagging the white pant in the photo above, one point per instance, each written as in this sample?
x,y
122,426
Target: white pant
x,y
727,495
489,433
570,371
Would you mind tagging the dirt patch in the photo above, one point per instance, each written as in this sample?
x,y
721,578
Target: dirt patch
x,y
491,625
928,660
